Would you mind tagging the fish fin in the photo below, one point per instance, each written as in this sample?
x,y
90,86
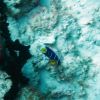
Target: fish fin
x,y
53,62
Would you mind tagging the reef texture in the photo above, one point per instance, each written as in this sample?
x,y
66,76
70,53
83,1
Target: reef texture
x,y
5,84
71,28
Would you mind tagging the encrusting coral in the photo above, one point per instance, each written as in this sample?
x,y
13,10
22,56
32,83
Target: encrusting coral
x,y
5,84
67,29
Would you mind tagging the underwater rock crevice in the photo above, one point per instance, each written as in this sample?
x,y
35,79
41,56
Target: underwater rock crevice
x,y
68,29
14,62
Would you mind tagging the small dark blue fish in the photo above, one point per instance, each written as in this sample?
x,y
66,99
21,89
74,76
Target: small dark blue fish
x,y
51,55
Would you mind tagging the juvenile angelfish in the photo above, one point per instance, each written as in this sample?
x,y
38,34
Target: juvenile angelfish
x,y
54,60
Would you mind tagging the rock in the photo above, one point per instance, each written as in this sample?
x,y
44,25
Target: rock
x,y
5,84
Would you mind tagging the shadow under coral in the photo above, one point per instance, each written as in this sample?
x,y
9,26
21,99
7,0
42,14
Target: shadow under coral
x,y
13,62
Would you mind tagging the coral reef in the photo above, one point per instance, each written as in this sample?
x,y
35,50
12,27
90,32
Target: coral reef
x,y
5,84
71,29
12,56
